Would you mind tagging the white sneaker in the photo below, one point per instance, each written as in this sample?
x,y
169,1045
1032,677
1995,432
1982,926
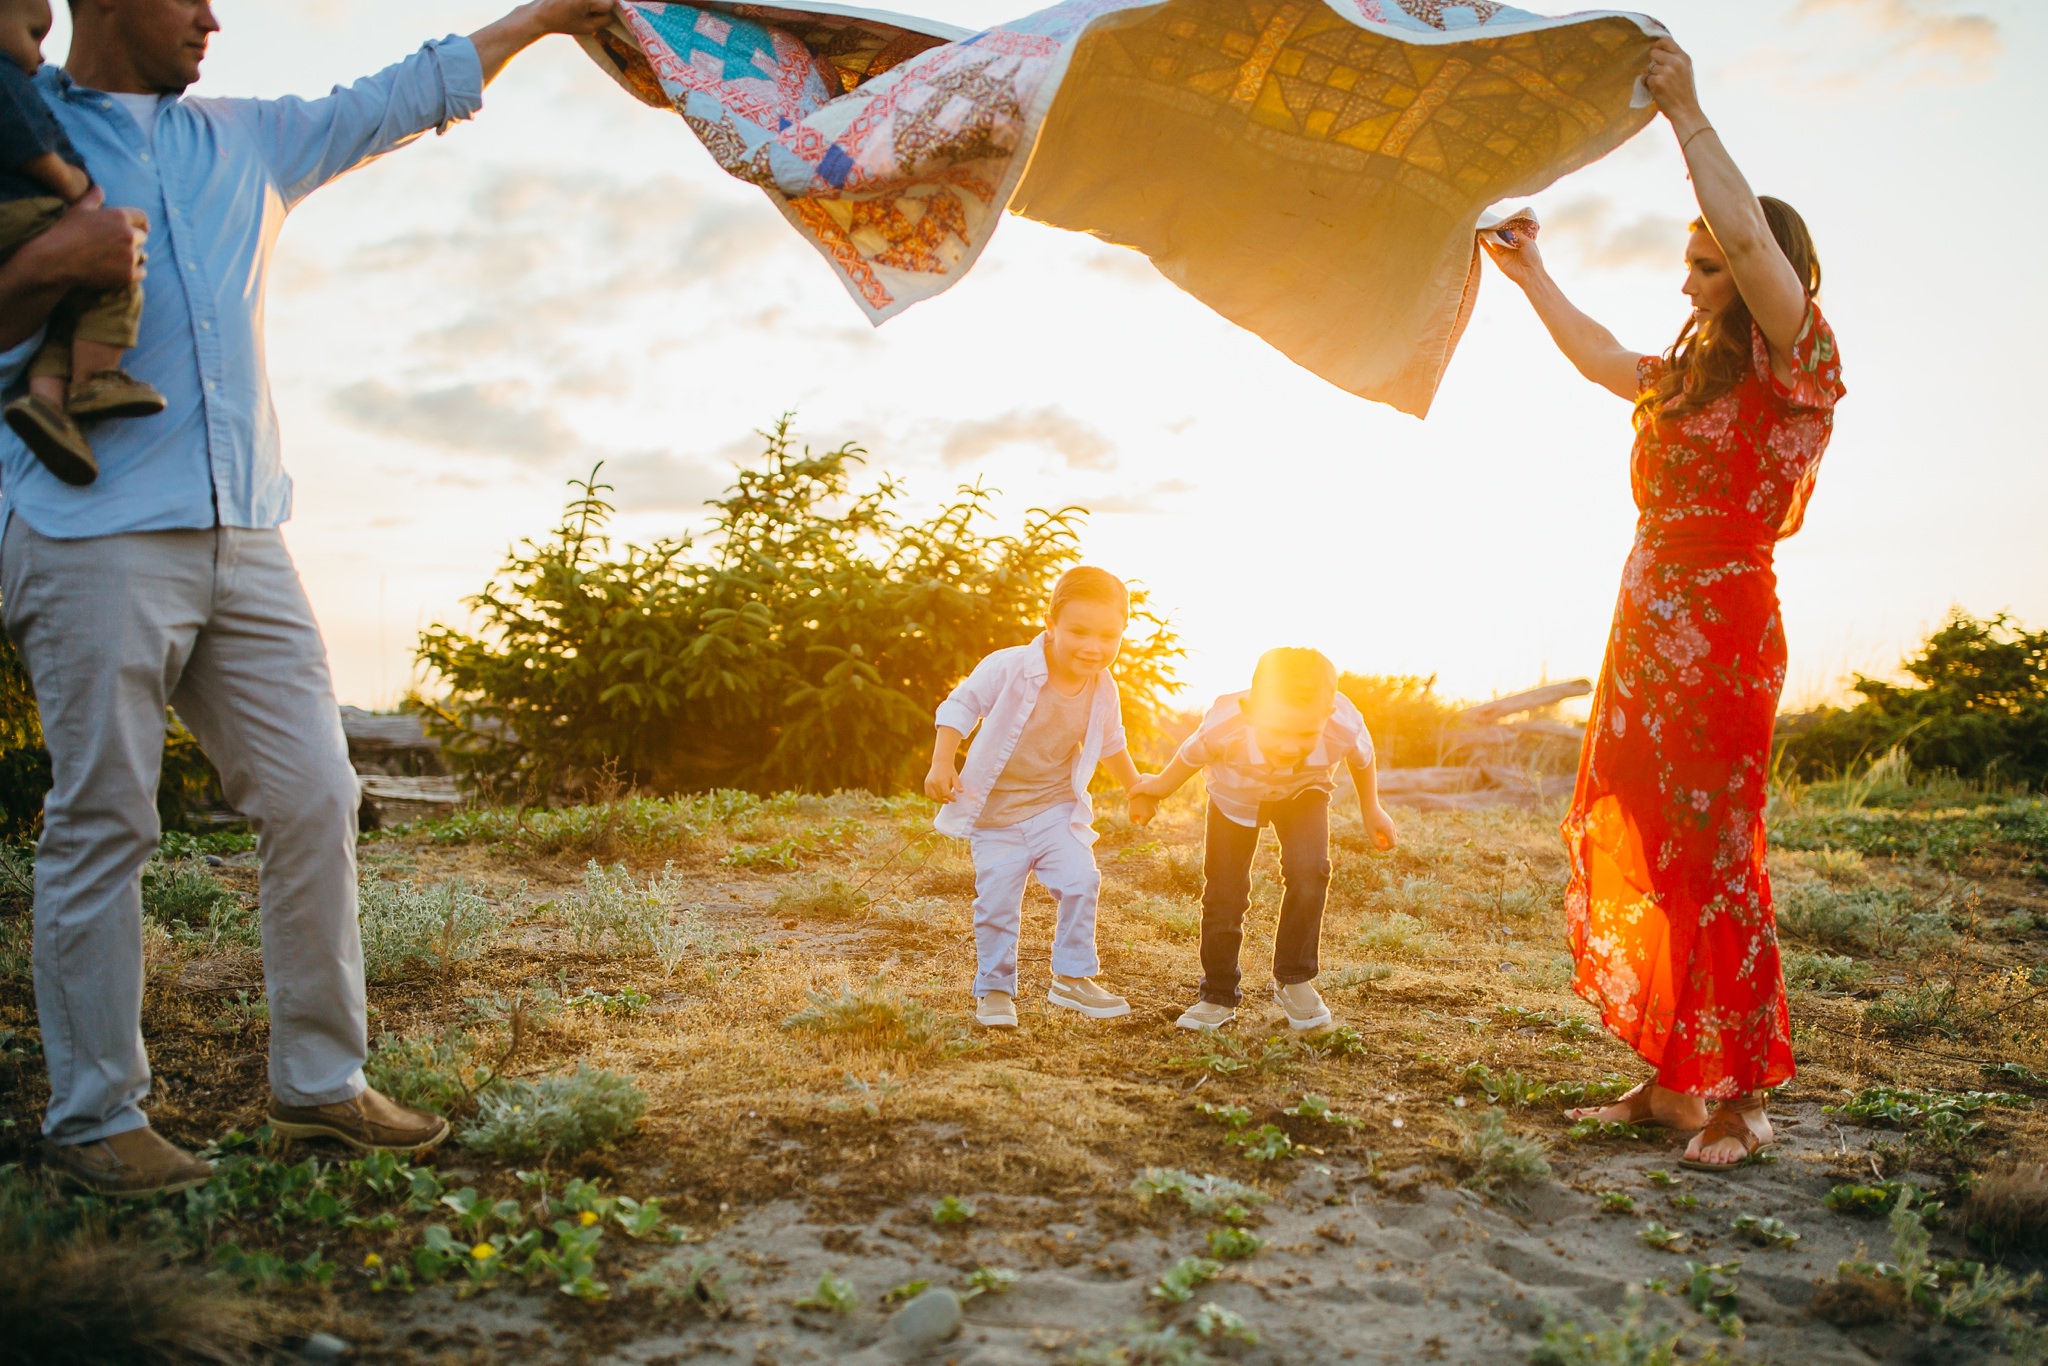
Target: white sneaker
x,y
1206,1016
1084,997
1304,1006
997,1010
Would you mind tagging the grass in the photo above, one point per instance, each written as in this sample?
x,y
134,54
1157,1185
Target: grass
x,y
410,929
829,1061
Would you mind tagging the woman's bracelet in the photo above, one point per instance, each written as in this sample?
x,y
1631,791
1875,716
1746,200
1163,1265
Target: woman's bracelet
x,y
1686,141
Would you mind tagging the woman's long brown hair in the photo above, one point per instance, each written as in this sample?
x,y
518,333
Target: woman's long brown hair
x,y
1705,363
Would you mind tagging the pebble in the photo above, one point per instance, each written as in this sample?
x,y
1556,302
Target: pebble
x,y
927,1320
323,1347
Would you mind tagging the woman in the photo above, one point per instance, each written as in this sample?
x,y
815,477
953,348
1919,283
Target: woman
x,y
1669,906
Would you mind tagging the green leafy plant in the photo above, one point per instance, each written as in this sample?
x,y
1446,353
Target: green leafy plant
x,y
1201,1195
802,642
1710,1286
1234,1244
1617,1202
1867,1199
1184,1278
989,1280
1663,1239
834,1295
1214,1322
1764,1232
1627,1340
952,1211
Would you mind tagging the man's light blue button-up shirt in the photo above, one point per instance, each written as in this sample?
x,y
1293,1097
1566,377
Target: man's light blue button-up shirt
x,y
216,181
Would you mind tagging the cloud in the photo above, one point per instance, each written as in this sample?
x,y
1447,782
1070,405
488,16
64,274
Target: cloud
x,y
1142,502
1589,226
493,418
1926,28
1074,441
656,481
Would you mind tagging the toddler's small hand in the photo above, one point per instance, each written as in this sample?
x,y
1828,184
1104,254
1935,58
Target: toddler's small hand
x,y
942,784
1142,806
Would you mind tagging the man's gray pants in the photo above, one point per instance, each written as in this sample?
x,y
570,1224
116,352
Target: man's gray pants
x,y
215,624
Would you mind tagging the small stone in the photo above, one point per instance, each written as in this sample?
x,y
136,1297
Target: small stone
x,y
323,1347
927,1320
216,861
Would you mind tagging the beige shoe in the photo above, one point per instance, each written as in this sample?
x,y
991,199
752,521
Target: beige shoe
x,y
136,1163
1304,1006
112,393
54,439
1084,997
997,1010
1206,1016
371,1123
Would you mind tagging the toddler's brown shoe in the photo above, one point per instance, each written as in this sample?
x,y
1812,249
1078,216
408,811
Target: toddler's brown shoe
x,y
112,393
54,439
372,1123
136,1163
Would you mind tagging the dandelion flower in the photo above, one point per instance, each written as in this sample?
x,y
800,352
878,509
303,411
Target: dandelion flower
x,y
483,1252
587,1218
373,1261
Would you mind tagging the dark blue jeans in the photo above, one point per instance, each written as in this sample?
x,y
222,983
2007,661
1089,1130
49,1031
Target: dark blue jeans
x,y
1303,825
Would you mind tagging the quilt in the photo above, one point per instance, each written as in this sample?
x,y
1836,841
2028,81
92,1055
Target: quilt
x,y
1312,170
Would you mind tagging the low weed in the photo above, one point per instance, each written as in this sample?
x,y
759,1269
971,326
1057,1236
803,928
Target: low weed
x,y
437,1072
618,911
1897,1107
1234,1244
184,895
822,896
694,1283
1957,1292
1399,935
834,1295
1206,1196
554,1117
1931,1008
1628,1339
1184,1278
1617,1202
1213,1321
1663,1239
952,1211
1710,1286
1868,919
409,929
1764,1232
1497,1159
2007,1208
878,1016
1826,973
1868,1200
989,1280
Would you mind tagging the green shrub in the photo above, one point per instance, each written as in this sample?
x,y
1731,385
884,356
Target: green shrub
x,y
409,929
1406,717
1977,707
1399,935
1824,972
803,642
1871,919
436,1073
555,1117
827,896
875,1014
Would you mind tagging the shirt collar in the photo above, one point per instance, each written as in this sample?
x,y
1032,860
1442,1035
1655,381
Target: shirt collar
x,y
1036,665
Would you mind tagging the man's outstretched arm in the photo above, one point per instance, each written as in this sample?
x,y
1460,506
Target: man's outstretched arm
x,y
91,247
499,43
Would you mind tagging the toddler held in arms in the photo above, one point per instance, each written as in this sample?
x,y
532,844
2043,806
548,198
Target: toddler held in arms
x,y
1272,755
77,375
1049,715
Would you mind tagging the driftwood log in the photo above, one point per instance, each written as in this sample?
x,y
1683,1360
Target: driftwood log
x,y
1491,741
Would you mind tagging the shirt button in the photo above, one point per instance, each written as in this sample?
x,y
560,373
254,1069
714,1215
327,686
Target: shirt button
x,y
145,156
206,327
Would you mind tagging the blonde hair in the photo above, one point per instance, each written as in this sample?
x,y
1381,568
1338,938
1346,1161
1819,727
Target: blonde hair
x,y
1085,583
1295,678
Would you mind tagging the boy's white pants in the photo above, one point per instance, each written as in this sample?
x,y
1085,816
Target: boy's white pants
x,y
1046,845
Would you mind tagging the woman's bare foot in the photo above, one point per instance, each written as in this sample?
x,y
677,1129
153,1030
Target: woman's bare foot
x,y
1736,1132
1649,1103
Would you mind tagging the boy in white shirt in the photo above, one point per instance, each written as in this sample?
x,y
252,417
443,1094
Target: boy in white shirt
x,y
1272,754
1048,714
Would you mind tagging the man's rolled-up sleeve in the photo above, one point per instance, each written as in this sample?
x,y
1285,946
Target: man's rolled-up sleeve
x,y
310,142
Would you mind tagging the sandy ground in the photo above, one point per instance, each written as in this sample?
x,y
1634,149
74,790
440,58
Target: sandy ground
x,y
1359,1266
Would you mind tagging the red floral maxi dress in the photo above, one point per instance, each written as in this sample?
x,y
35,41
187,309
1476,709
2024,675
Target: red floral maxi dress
x,y
1669,904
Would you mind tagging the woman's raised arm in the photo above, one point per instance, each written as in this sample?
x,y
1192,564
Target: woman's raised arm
x,y
1596,352
1770,287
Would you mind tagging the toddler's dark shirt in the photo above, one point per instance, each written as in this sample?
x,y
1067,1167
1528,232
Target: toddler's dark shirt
x,y
27,130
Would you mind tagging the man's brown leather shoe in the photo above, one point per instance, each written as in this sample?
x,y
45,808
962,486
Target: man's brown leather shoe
x,y
136,1163
372,1122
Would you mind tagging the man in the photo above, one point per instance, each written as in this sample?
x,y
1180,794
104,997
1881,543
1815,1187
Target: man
x,y
167,581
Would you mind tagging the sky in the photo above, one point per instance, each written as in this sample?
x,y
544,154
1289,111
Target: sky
x,y
459,329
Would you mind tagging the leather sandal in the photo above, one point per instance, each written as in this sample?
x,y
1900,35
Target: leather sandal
x,y
1640,1111
1727,1122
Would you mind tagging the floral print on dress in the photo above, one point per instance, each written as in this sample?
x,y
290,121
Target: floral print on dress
x,y
1669,904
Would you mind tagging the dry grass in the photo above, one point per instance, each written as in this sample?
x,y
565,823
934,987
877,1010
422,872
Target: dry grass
x,y
808,1043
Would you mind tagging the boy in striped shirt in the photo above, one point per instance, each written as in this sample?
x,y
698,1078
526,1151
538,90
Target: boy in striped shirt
x,y
1272,755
